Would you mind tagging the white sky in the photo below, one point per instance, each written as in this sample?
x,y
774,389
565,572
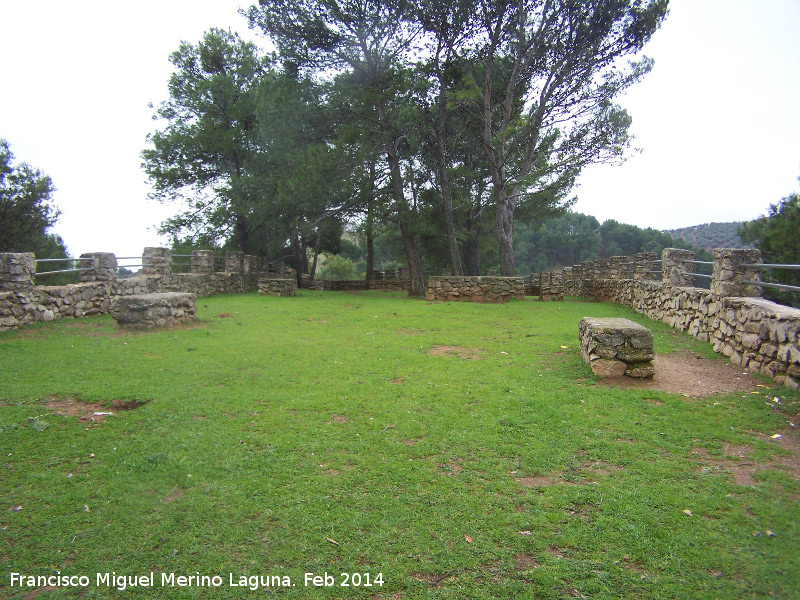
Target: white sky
x,y
718,119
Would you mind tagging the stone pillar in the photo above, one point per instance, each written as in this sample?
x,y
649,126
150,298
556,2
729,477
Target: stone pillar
x,y
587,278
156,261
674,265
642,264
234,262
728,273
203,262
618,268
16,270
250,263
102,266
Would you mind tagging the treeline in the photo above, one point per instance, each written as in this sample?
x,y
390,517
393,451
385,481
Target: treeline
x,y
559,242
712,235
436,127
574,237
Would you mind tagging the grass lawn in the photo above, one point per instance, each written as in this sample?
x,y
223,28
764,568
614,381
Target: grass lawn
x,y
432,450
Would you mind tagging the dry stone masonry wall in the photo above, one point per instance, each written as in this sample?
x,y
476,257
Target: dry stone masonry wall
x,y
277,287
475,289
756,334
22,302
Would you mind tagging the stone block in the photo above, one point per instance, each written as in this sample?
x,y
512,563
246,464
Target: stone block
x,y
277,287
616,347
150,311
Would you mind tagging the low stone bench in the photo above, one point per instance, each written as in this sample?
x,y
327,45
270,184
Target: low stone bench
x,y
277,287
616,347
150,311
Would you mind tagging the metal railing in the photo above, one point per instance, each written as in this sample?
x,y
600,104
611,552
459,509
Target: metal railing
x,y
777,286
768,284
219,263
52,260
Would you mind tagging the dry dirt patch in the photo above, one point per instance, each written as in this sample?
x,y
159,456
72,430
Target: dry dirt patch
x,y
468,353
433,580
691,375
87,411
411,331
526,562
736,464
587,470
451,468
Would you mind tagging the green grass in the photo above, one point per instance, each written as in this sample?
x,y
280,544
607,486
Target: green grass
x,y
262,438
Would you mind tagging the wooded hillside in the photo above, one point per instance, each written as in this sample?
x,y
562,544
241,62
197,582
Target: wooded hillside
x,y
711,235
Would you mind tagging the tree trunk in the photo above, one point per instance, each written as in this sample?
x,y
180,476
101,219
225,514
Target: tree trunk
x,y
313,270
304,255
370,249
404,214
472,259
371,223
444,181
243,229
411,247
298,266
504,221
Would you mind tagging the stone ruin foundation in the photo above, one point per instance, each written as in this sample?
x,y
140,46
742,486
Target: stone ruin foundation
x,y
151,311
475,289
616,347
277,287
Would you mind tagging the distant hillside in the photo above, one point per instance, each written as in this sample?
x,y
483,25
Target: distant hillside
x,y
711,235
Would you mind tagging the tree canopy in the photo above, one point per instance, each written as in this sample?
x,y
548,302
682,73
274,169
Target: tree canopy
x,y
438,125
27,210
777,235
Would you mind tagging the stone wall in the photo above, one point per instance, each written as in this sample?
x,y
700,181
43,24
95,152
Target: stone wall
x,y
548,286
475,289
46,303
756,334
22,302
396,284
277,287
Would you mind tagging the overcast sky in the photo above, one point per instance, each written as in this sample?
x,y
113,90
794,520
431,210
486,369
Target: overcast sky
x,y
717,121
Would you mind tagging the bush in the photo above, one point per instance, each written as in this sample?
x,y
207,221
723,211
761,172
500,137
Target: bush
x,y
337,268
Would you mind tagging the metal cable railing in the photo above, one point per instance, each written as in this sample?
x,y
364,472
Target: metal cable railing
x,y
777,286
52,260
769,284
